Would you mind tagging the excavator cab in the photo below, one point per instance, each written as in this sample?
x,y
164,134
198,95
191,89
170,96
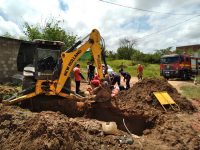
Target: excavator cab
x,y
47,60
39,60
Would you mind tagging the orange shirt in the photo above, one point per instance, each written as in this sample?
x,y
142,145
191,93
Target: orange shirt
x,y
77,74
140,68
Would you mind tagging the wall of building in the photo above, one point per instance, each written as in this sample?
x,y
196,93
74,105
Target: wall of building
x,y
193,50
8,56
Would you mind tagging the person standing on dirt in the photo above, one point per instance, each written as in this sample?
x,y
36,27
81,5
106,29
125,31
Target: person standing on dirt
x,y
91,71
77,77
88,63
102,92
127,78
115,78
140,72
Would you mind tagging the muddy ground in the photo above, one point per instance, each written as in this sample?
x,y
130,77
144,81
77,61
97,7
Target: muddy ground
x,y
80,127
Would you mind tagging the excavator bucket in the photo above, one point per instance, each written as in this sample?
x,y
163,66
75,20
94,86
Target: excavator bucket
x,y
165,99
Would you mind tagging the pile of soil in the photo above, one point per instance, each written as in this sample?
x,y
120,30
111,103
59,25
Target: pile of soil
x,y
140,96
134,108
144,117
22,129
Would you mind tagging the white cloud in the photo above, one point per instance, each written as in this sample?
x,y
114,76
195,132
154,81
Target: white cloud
x,y
113,22
10,27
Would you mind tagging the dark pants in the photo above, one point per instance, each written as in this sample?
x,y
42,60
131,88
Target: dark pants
x,y
140,76
116,80
77,86
91,76
128,82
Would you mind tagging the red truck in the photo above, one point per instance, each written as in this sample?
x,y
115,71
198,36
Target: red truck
x,y
179,66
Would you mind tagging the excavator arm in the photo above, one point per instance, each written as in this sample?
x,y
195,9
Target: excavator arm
x,y
70,57
68,60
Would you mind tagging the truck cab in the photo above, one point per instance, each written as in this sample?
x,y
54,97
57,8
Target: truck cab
x,y
175,66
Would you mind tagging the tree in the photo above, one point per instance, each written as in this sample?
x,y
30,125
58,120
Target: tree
x,y
50,31
126,49
111,54
32,31
165,51
124,53
128,43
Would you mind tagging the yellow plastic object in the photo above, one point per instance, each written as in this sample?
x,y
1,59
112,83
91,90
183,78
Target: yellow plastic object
x,y
165,99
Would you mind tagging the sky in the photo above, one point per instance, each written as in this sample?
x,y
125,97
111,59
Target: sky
x,y
161,24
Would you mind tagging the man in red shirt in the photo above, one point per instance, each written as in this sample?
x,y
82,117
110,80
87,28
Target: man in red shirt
x,y
77,77
95,81
139,71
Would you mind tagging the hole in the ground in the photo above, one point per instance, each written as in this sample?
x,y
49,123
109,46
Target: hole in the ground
x,y
135,123
100,111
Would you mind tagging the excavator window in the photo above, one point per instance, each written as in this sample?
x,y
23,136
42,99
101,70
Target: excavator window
x,y
47,59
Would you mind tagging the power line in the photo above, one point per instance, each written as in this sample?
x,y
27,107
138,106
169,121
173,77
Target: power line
x,y
168,27
140,9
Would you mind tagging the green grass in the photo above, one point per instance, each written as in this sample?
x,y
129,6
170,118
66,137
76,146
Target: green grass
x,y
198,79
191,92
150,70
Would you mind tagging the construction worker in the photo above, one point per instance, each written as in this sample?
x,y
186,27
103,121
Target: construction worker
x,y
77,77
127,78
102,92
115,90
115,78
88,63
91,71
95,82
140,72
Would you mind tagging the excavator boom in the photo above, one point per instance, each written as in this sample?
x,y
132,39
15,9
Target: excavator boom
x,y
70,57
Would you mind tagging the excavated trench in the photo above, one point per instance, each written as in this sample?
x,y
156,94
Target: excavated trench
x,y
107,112
99,111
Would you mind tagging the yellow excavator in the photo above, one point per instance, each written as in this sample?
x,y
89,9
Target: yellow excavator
x,y
46,68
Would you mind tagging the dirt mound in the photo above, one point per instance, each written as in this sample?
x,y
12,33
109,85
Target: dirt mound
x,y
140,96
21,129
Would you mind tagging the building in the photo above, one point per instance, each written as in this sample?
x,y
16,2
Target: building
x,y
9,48
193,50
